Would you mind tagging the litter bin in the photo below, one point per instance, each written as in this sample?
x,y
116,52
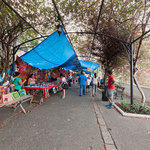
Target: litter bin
x,y
104,98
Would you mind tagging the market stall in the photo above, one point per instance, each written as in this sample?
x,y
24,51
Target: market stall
x,y
46,61
44,88
50,58
47,81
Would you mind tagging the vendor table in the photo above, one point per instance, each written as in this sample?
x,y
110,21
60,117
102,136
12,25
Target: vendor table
x,y
45,89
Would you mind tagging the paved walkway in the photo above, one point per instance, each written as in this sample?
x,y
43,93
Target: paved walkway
x,y
75,123
58,124
128,133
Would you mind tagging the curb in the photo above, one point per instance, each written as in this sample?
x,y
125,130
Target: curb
x,y
109,143
146,87
131,114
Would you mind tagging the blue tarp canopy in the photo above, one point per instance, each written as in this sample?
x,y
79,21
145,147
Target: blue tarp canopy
x,y
56,51
88,72
84,65
89,64
85,72
69,68
53,52
74,68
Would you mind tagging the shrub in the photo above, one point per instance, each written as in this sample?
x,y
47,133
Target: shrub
x,y
135,108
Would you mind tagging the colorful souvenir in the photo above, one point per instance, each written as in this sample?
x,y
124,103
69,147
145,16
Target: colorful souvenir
x,y
15,95
22,92
7,98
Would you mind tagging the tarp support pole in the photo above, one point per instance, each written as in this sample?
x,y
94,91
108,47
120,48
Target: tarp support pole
x,y
131,73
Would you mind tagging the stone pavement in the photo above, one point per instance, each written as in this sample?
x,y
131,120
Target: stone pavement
x,y
127,133
75,123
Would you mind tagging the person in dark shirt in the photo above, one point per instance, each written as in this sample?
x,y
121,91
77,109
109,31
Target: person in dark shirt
x,y
69,80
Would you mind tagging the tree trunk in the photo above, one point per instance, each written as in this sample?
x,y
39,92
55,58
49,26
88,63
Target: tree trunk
x,y
140,89
5,70
7,62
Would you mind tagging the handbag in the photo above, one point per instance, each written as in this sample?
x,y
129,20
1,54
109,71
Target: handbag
x,y
64,86
91,83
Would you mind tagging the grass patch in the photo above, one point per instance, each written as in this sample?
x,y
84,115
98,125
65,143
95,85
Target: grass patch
x,y
136,108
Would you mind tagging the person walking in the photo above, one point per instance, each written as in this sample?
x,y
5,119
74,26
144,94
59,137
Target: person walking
x,y
82,82
64,85
99,83
69,80
94,85
88,84
110,88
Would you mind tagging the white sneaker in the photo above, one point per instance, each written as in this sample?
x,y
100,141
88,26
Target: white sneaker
x,y
63,97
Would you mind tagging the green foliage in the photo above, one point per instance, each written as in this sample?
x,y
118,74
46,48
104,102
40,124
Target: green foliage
x,y
14,30
135,108
119,19
123,103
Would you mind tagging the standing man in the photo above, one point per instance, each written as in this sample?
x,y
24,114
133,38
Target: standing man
x,y
82,82
110,88
88,84
95,83
69,80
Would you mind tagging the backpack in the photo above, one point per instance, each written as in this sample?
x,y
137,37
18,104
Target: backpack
x,y
91,83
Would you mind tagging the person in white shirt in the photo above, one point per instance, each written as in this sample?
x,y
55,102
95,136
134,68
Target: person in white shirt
x,y
88,84
31,80
94,85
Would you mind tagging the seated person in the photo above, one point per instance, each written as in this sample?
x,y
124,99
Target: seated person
x,y
17,81
31,80
48,77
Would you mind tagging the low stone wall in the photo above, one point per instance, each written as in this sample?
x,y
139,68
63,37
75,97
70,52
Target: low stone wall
x,y
136,92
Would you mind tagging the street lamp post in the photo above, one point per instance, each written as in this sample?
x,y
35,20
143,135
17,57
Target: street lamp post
x,y
129,47
131,73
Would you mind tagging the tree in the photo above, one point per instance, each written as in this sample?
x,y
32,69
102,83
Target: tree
x,y
20,26
132,19
121,22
